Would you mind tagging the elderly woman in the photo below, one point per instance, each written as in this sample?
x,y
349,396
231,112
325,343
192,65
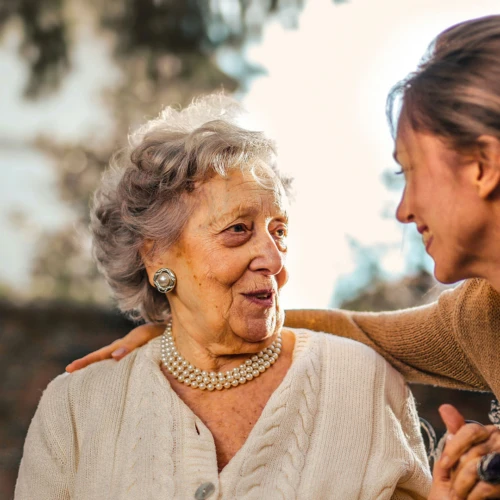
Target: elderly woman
x,y
448,145
226,403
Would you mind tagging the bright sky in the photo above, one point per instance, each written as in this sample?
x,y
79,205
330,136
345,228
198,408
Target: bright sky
x,y
323,99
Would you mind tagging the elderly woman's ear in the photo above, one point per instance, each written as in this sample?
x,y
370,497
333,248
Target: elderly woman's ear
x,y
147,252
160,275
152,259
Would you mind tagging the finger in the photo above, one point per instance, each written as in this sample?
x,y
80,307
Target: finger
x,y
466,437
492,444
120,347
465,478
136,338
439,493
483,491
441,484
93,357
478,451
140,335
452,418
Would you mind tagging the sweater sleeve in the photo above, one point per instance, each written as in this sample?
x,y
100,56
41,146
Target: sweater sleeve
x,y
47,459
432,344
417,478
398,468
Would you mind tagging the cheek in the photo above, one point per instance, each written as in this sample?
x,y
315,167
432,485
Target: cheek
x,y
224,268
425,199
282,277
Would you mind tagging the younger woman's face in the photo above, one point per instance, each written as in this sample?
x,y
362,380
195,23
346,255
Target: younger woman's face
x,y
440,197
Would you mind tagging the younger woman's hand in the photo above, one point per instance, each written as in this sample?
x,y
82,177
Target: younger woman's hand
x,y
455,473
120,347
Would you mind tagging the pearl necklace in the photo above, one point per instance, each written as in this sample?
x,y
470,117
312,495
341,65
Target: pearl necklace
x,y
185,372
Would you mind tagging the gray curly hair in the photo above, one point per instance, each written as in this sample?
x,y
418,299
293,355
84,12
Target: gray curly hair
x,y
144,194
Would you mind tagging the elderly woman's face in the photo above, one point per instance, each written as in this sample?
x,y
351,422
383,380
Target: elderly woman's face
x,y
230,260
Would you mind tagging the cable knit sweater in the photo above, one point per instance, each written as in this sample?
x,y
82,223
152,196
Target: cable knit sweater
x,y
341,425
453,342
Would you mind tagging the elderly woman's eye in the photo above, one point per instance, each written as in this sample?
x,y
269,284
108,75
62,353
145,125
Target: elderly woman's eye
x,y
238,228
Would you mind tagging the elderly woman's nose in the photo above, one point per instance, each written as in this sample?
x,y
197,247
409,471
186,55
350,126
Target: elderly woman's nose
x,y
267,258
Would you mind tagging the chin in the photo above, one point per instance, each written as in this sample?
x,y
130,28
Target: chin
x,y
447,276
259,330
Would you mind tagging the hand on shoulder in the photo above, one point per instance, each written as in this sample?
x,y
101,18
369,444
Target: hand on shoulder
x,y
121,347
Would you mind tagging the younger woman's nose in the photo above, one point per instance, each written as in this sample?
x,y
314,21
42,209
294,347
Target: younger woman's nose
x,y
403,213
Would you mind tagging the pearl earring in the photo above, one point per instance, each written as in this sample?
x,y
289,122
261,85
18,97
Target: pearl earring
x,y
164,280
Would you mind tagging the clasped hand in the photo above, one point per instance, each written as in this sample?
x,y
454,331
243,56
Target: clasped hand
x,y
455,474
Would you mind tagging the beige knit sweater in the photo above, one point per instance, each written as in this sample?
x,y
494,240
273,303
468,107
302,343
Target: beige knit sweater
x,y
453,342
342,425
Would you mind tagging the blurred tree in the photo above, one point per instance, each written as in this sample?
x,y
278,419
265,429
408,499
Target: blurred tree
x,y
380,294
45,45
367,287
151,28
165,51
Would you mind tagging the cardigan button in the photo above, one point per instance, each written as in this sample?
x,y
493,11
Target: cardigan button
x,y
204,491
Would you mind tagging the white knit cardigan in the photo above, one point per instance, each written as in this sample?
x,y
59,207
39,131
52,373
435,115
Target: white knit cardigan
x,y
342,425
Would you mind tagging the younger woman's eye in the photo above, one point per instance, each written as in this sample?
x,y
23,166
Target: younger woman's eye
x,y
399,172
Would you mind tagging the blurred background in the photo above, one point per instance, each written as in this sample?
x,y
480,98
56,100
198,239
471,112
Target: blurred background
x,y
78,75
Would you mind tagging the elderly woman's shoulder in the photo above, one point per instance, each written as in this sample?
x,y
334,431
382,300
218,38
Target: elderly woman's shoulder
x,y
350,356
340,346
96,385
108,368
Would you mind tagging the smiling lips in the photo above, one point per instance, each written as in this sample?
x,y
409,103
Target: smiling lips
x,y
426,235
261,297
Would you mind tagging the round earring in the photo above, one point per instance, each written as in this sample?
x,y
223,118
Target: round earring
x,y
164,280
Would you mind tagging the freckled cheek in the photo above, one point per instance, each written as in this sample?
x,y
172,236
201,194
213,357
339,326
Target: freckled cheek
x,y
221,276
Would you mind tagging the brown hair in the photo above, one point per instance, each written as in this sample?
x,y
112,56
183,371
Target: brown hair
x,y
149,191
455,91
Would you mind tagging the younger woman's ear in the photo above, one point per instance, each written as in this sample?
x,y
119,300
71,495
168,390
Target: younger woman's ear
x,y
487,176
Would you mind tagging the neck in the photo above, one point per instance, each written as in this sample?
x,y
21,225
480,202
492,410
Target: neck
x,y
215,352
487,269
492,267
211,380
486,263
494,280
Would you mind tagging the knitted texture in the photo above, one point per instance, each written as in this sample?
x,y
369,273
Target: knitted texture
x,y
453,342
341,425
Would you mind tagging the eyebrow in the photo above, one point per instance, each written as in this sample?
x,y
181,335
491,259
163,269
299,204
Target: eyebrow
x,y
248,212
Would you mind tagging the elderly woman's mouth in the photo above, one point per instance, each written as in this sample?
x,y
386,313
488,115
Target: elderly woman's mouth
x,y
261,297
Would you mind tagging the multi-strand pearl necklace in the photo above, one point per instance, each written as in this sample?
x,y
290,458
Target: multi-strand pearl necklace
x,y
185,372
